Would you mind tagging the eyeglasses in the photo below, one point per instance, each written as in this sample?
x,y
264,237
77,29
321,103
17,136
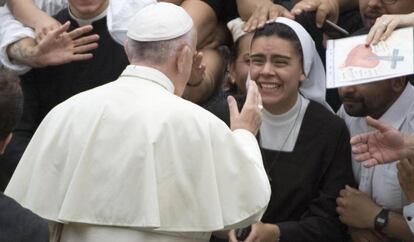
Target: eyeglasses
x,y
388,2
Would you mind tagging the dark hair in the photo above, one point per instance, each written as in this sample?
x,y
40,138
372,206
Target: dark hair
x,y
282,31
11,103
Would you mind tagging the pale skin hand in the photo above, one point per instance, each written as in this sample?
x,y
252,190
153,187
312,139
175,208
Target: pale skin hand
x,y
356,209
250,116
265,11
325,9
384,145
58,47
406,178
30,15
386,24
260,232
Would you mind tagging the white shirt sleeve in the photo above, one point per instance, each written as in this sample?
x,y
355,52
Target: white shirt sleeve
x,y
12,30
408,213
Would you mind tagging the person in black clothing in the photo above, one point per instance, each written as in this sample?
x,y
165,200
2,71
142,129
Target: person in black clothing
x,y
16,222
305,147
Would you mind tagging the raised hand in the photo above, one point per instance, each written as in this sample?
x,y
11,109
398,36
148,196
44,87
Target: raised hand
x,y
325,9
250,116
384,145
385,25
44,25
58,47
266,11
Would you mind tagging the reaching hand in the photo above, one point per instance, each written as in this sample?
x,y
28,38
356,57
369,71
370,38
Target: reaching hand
x,y
58,47
266,11
406,177
385,25
250,116
325,9
378,147
44,25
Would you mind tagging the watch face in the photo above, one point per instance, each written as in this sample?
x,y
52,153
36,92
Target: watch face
x,y
381,220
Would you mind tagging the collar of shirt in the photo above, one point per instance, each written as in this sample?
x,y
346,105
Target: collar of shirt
x,y
393,116
83,22
149,74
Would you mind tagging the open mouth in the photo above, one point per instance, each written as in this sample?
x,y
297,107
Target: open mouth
x,y
270,86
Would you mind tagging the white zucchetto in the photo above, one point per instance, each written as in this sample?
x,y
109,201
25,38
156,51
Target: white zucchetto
x,y
159,21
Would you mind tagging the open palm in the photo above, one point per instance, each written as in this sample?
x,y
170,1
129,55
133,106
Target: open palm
x,y
384,145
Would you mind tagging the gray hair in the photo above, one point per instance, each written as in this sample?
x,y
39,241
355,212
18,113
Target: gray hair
x,y
157,52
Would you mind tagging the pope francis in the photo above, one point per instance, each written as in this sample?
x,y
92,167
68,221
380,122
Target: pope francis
x,y
133,161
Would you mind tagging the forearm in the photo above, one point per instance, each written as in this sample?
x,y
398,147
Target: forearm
x,y
23,52
25,11
247,7
205,20
397,227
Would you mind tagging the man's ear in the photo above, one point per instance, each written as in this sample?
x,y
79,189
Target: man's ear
x,y
184,57
4,143
126,51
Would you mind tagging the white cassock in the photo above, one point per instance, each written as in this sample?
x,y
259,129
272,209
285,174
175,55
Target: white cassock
x,y
131,161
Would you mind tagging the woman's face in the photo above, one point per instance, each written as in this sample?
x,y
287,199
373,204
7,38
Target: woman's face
x,y
240,66
276,66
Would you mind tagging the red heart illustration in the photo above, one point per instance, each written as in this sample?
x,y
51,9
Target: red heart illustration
x,y
362,56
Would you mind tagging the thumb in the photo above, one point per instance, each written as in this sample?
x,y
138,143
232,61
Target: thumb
x,y
377,124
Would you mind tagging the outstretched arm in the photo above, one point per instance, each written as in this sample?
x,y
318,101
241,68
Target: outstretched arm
x,y
58,47
384,145
30,15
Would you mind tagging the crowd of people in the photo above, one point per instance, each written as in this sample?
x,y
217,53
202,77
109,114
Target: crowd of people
x,y
193,120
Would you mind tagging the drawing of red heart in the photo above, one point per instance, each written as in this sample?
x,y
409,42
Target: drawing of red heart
x,y
362,56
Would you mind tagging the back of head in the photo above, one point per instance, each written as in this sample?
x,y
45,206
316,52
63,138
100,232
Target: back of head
x,y
11,103
157,32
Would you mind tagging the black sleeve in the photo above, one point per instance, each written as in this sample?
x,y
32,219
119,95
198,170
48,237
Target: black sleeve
x,y
320,222
24,129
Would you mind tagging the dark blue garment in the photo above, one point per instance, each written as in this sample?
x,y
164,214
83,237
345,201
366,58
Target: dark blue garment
x,y
18,224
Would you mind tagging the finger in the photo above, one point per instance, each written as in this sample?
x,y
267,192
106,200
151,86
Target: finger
x,y
86,40
390,29
85,48
252,92
320,16
340,202
232,236
378,34
287,14
377,124
62,29
360,138
298,8
362,157
343,193
80,31
371,34
359,148
351,189
340,210
262,19
370,163
81,57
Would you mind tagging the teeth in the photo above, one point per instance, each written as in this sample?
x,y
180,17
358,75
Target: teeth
x,y
270,86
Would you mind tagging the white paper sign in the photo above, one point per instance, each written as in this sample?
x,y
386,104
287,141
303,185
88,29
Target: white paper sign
x,y
350,62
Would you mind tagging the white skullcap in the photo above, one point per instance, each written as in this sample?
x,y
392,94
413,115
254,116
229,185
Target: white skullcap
x,y
236,28
159,21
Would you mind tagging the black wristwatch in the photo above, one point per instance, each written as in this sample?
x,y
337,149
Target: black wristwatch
x,y
381,220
